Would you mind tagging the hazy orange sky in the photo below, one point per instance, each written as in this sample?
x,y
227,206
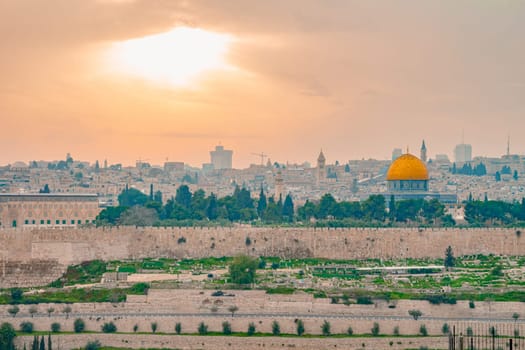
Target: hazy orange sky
x,y
355,78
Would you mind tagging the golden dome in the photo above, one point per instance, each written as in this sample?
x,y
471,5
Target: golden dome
x,y
407,167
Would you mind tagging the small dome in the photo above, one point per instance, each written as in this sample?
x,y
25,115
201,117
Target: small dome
x,y
407,167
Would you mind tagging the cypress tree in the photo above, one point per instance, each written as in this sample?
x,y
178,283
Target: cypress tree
x,y
42,344
49,346
261,205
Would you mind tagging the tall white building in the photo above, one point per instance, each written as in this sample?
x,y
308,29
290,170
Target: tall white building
x,y
221,158
396,153
463,153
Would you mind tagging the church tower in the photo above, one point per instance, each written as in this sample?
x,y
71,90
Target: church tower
x,y
423,156
321,169
279,185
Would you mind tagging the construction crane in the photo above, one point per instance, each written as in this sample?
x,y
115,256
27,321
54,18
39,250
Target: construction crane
x,y
262,155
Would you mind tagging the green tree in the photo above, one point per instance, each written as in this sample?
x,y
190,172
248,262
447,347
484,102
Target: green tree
x,y
325,328
49,343
374,208
154,326
445,329
251,329
131,197
67,311
138,216
183,196
375,329
226,328
415,314
233,309
349,330
423,330
55,327
33,309
300,327
307,211
211,209
7,336
202,329
110,215
13,310
243,269
16,295
79,325
93,345
449,258
178,328
276,328
261,204
109,327
26,327
288,208
42,344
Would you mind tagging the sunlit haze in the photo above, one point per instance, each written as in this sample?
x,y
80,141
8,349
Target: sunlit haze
x,y
173,57
154,79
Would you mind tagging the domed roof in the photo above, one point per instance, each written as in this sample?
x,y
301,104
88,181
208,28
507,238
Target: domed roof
x,y
407,167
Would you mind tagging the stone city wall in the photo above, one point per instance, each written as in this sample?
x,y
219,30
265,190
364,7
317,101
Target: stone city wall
x,y
68,246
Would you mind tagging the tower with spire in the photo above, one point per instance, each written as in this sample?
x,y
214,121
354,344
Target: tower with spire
x,y
423,154
321,168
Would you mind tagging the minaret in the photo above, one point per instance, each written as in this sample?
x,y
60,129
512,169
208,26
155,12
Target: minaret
x,y
279,184
423,156
321,170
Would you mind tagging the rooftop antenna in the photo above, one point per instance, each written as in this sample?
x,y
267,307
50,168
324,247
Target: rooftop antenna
x,y
508,145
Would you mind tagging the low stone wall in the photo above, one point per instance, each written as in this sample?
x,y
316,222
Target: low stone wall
x,y
65,342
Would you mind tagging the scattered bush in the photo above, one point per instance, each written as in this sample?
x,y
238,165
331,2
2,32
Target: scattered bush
x,y
251,329
364,300
325,328
79,325
17,294
349,331
109,327
13,310
93,345
415,314
202,329
55,327
26,327
445,329
178,328
300,327
135,328
375,329
276,328
226,328
33,310
470,333
471,304
423,330
154,326
217,293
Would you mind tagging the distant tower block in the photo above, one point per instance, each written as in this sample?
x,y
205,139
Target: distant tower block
x,y
321,169
221,158
423,152
279,185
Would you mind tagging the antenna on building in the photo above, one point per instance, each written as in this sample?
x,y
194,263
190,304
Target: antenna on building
x,y
508,145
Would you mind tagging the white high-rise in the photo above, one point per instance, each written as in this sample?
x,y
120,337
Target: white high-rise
x,y
463,153
221,158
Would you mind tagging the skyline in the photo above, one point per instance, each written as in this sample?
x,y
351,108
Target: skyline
x,y
355,79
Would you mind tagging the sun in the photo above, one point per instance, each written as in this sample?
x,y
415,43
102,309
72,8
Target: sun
x,y
175,57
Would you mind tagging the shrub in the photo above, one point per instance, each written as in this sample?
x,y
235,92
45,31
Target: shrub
x,y
325,328
109,327
55,327
251,329
217,293
79,325
471,304
233,309
276,328
154,326
178,328
139,288
93,345
423,330
415,314
349,331
470,333
202,329
33,310
364,300
13,310
135,328
17,294
445,329
226,328
375,329
26,327
50,310
300,327
181,240
396,331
